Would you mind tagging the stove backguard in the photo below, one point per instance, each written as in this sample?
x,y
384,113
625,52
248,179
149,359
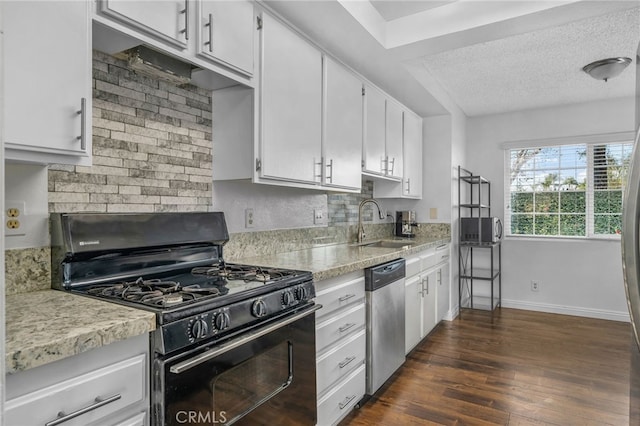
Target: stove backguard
x,y
89,248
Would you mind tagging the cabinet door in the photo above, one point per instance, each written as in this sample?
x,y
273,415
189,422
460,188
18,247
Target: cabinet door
x,y
412,312
429,283
443,291
225,33
290,105
166,20
47,73
412,150
373,150
342,142
393,140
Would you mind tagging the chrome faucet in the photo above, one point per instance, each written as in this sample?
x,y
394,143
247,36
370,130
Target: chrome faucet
x,y
361,234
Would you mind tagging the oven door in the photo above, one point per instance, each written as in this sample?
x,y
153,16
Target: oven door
x,y
264,376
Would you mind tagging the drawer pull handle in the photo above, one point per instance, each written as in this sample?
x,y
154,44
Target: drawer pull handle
x,y
346,362
346,327
99,402
346,297
346,401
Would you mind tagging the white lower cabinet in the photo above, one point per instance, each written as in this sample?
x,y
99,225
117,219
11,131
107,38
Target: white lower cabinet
x,y
340,346
104,386
427,291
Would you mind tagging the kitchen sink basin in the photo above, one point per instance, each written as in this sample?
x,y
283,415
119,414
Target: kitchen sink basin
x,y
387,244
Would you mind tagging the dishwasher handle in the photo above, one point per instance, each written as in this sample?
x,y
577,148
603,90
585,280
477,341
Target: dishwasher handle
x,y
384,274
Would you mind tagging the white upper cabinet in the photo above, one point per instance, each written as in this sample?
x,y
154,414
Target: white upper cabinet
x,y
412,147
373,150
393,141
382,146
342,141
167,20
290,105
225,33
47,81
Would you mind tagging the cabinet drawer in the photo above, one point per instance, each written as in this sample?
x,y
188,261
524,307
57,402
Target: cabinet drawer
x,y
412,266
339,326
341,400
338,296
123,383
339,361
428,259
442,253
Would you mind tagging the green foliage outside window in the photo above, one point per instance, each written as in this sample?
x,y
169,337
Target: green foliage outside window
x,y
549,189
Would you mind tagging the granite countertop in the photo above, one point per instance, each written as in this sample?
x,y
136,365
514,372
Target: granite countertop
x,y
48,325
337,259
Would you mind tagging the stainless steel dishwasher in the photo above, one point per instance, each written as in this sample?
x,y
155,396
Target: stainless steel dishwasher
x,y
384,292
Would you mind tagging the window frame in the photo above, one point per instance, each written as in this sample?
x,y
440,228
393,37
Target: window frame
x,y
590,141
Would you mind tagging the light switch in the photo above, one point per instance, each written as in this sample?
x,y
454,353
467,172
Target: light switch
x,y
433,213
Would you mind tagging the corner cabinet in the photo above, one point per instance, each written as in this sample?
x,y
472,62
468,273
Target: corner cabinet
x,y
47,42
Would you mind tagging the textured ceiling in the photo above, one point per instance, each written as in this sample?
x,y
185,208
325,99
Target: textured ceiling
x,y
540,68
393,9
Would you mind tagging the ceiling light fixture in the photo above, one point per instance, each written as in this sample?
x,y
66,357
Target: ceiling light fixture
x,y
605,69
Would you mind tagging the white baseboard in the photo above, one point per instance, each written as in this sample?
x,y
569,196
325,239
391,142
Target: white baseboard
x,y
451,314
567,310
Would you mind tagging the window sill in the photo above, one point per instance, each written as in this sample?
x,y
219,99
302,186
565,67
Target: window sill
x,y
612,238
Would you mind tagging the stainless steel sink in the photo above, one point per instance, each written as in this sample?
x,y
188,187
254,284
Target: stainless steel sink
x,y
387,244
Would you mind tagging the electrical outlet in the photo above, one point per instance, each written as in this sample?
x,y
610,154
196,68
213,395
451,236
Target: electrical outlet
x,y
248,218
15,217
318,216
535,286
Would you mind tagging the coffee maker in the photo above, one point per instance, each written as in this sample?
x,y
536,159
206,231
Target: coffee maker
x,y
405,221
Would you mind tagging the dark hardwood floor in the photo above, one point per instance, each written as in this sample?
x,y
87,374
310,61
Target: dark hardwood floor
x,y
511,368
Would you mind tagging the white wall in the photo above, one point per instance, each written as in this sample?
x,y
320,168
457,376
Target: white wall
x,y
273,207
28,183
576,277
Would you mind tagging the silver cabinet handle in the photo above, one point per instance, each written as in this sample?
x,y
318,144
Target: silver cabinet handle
x,y
346,297
186,20
83,124
330,167
99,402
346,401
408,185
346,327
210,25
384,164
346,361
320,164
393,163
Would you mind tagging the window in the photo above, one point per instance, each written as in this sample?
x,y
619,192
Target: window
x,y
566,190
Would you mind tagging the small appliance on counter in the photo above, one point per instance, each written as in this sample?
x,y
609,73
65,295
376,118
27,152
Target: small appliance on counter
x,y
405,222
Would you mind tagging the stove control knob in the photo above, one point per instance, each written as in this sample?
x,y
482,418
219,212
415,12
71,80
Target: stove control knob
x,y
301,293
259,308
199,329
222,321
287,298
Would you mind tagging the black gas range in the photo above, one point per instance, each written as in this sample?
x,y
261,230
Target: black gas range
x,y
206,310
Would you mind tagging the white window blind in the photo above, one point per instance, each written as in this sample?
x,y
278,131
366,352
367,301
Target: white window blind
x,y
568,190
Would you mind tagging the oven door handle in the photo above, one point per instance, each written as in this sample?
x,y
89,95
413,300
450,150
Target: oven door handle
x,y
226,347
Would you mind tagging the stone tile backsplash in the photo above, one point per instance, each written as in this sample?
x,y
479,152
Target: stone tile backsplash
x,y
151,147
